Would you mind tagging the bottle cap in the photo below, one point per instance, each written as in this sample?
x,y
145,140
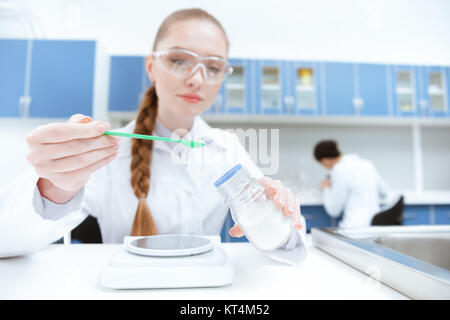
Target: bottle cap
x,y
228,175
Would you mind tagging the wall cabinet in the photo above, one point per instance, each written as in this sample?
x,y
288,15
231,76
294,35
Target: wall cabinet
x,y
270,86
433,91
442,214
303,88
405,90
55,78
238,91
416,215
13,62
372,97
46,78
355,89
128,82
62,78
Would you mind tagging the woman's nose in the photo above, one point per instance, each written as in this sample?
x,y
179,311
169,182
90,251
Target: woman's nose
x,y
197,76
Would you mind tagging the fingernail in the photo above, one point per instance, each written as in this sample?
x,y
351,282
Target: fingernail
x,y
86,119
102,127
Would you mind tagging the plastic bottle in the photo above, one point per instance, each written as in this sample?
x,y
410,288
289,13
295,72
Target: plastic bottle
x,y
265,226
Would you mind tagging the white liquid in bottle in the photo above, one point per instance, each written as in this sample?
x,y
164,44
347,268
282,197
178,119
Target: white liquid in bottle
x,y
265,225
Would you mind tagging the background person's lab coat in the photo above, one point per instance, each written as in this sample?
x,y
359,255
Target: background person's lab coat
x,y
182,197
356,189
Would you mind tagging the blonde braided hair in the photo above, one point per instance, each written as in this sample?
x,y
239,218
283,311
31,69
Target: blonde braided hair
x,y
141,151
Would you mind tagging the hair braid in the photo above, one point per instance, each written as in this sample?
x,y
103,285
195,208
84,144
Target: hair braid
x,y
141,152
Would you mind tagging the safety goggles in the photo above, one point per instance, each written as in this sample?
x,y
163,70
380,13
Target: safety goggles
x,y
183,64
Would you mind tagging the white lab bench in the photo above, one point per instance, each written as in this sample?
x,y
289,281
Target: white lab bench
x,y
313,197
73,272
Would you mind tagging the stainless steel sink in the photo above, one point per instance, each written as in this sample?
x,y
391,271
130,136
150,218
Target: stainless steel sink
x,y
431,248
415,260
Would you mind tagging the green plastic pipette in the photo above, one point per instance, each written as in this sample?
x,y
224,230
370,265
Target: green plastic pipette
x,y
187,143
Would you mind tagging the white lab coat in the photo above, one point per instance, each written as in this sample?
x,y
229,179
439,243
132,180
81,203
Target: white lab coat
x,y
356,189
182,197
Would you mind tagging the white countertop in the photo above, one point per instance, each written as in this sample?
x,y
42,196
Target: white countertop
x,y
73,272
433,197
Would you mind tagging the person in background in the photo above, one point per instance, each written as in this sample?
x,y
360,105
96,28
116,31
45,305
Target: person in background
x,y
141,187
353,186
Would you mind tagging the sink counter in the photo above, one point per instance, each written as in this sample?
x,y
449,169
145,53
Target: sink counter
x,y
413,259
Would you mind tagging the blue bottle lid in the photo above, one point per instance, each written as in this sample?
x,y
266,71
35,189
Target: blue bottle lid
x,y
228,175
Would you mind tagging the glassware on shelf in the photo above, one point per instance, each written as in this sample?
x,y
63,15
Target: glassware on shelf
x,y
270,76
436,91
405,91
305,77
270,88
270,98
238,76
235,97
305,90
235,87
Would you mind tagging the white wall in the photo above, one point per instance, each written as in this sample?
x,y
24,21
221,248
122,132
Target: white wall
x,y
385,31
400,31
436,158
14,148
389,148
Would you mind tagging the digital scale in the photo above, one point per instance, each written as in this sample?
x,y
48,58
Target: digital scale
x,y
168,261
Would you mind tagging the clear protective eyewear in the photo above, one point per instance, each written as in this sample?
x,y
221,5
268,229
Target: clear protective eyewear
x,y
183,64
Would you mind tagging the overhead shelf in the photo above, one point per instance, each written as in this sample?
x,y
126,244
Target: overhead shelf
x,y
296,119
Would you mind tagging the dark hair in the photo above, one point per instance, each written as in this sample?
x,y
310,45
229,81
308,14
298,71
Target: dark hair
x,y
326,149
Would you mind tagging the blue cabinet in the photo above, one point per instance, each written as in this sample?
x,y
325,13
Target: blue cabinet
x,y
217,107
416,215
405,93
372,90
355,89
338,86
426,214
270,86
62,78
237,91
46,78
128,82
316,217
442,214
13,61
433,91
448,90
303,88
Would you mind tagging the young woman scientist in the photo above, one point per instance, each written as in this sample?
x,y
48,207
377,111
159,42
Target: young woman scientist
x,y
78,171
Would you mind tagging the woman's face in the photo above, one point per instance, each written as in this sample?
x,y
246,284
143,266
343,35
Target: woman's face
x,y
202,38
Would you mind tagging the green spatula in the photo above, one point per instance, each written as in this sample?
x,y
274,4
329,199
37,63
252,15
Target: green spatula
x,y
187,143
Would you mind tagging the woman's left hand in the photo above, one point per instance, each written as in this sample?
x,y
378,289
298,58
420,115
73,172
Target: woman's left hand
x,y
283,198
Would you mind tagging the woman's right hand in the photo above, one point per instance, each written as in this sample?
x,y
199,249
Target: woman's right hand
x,y
65,154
